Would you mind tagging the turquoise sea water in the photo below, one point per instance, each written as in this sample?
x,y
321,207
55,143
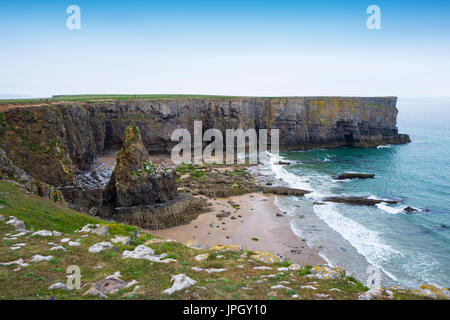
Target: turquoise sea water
x,y
410,249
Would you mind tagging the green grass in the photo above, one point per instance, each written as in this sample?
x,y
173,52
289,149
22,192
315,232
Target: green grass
x,y
32,282
42,214
118,97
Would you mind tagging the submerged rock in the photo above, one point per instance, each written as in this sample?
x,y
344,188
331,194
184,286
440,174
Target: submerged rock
x,y
361,201
410,209
284,191
283,163
355,175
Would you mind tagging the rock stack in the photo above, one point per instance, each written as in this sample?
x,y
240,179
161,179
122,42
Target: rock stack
x,y
142,193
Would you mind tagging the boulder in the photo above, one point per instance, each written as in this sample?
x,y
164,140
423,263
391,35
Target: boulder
x,y
57,248
43,233
144,252
98,247
223,214
19,262
95,292
38,258
16,223
208,270
58,286
101,231
121,239
180,282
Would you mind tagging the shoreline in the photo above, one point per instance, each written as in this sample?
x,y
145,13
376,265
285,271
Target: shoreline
x,y
254,226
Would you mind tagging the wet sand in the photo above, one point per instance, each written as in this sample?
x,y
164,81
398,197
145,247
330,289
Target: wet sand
x,y
258,221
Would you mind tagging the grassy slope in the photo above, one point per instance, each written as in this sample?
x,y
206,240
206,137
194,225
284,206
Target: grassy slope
x,y
32,282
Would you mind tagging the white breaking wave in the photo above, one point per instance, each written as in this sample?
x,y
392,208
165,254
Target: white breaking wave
x,y
286,176
367,242
390,209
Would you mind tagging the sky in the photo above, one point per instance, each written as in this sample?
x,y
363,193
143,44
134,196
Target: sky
x,y
247,48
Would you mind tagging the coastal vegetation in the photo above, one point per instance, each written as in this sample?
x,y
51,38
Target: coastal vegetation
x,y
243,275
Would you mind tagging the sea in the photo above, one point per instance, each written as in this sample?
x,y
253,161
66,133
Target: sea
x,y
408,249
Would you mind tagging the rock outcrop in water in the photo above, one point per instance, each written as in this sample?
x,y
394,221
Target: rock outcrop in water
x,y
361,201
355,175
144,194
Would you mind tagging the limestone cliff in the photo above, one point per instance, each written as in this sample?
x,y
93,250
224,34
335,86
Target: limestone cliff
x,y
53,142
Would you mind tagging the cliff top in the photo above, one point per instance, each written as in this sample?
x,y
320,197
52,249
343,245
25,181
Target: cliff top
x,y
56,99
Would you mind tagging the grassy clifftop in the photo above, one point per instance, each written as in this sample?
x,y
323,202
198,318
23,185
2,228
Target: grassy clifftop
x,y
243,275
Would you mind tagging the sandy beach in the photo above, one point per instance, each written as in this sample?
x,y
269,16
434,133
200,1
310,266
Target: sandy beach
x,y
255,226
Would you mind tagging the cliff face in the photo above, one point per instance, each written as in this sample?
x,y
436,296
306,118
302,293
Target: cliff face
x,y
52,142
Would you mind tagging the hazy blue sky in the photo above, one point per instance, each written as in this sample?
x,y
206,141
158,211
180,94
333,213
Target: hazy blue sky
x,y
226,47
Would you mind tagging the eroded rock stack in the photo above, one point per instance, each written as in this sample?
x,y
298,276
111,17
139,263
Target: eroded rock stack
x,y
142,193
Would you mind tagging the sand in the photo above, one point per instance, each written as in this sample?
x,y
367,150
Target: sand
x,y
258,221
